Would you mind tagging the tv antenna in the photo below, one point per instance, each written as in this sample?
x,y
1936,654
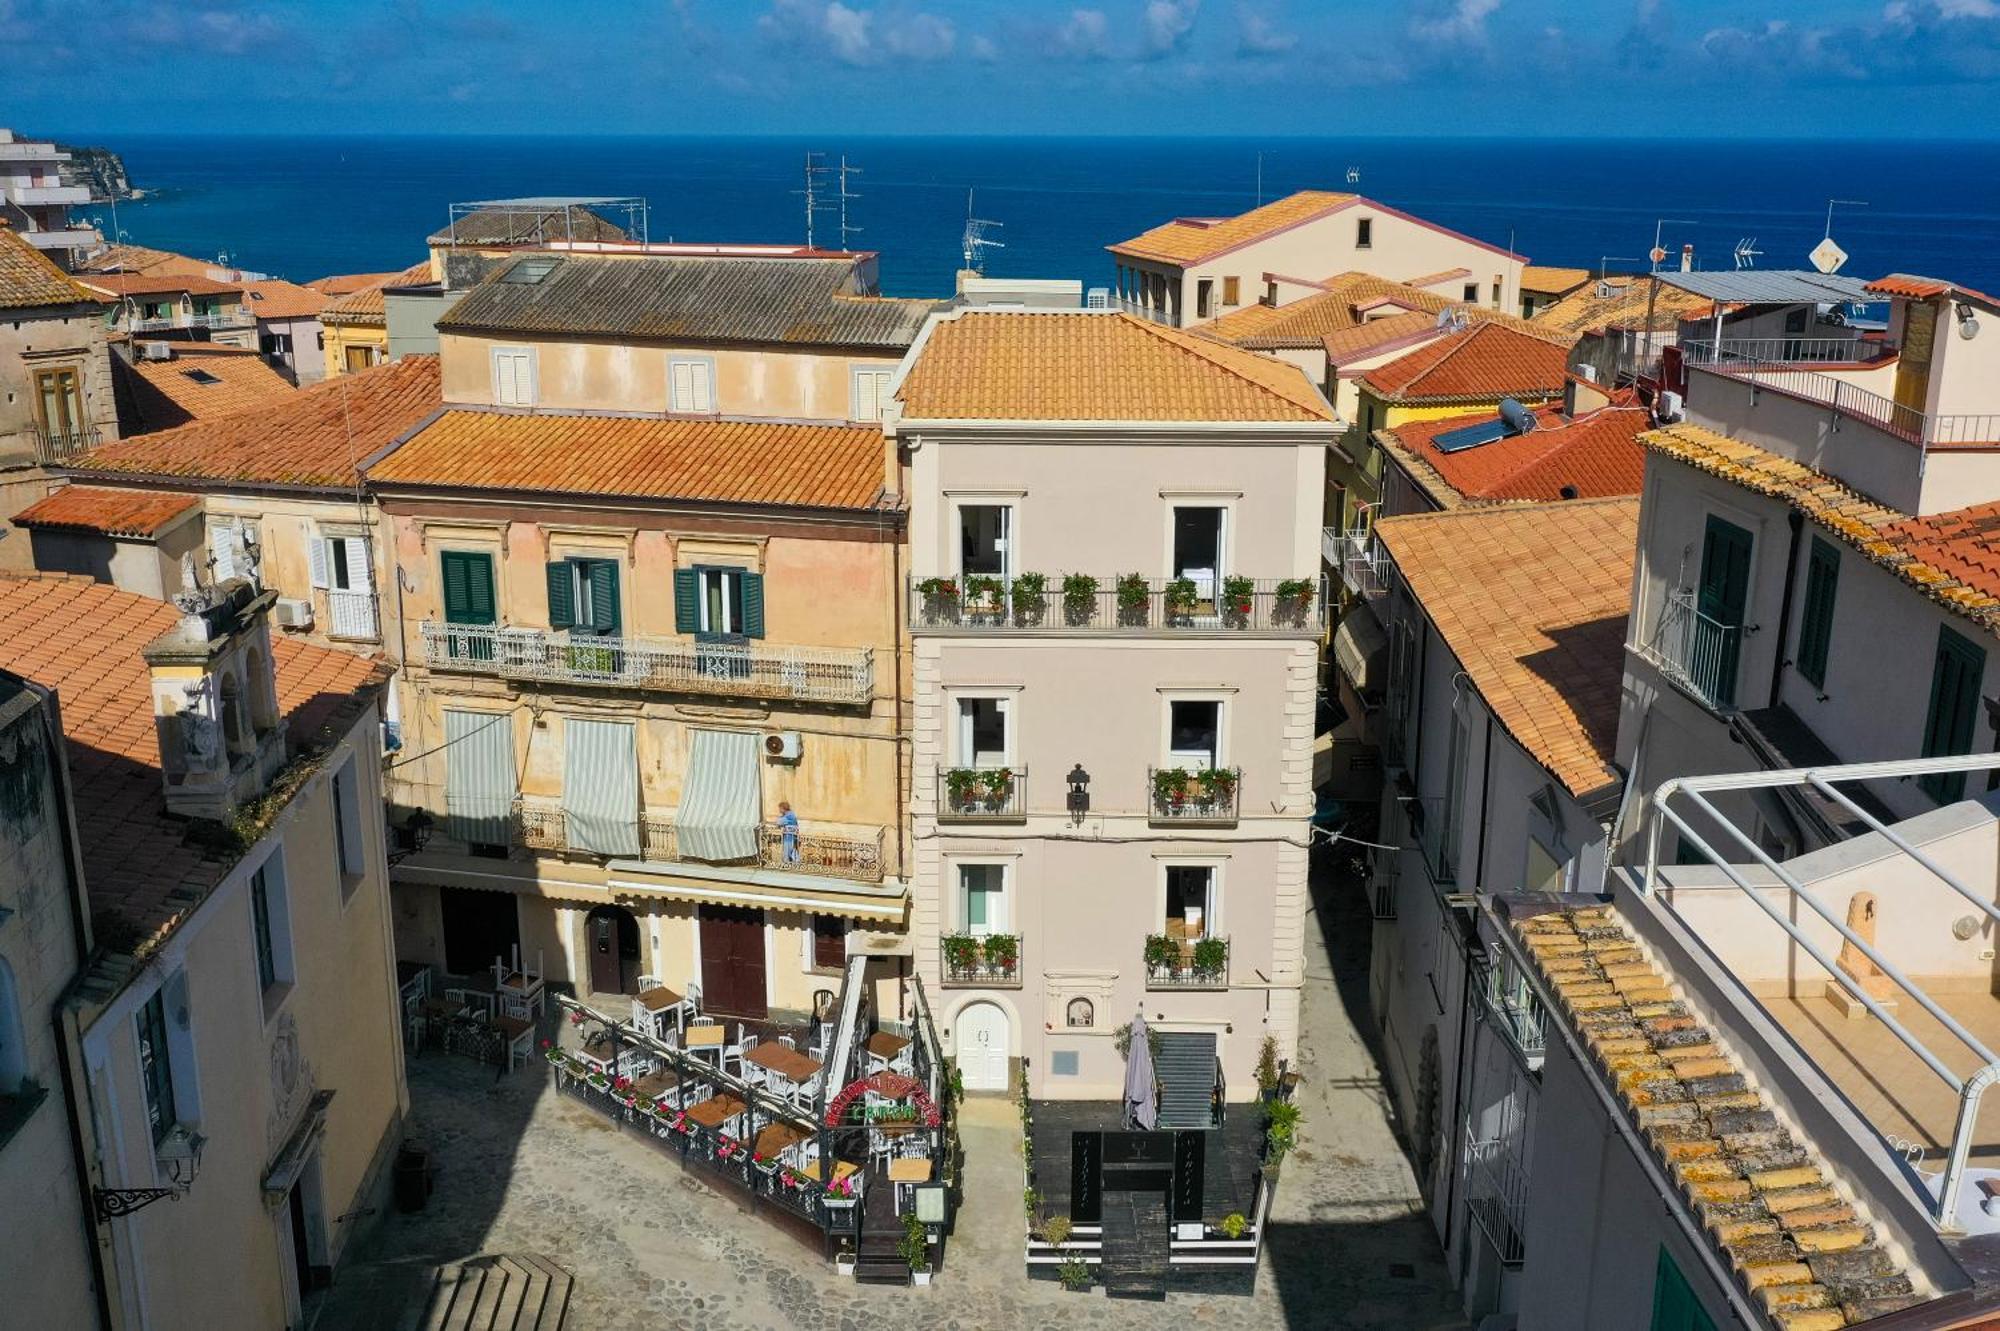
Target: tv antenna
x,y
1746,252
815,168
976,237
1354,175
1604,261
1658,254
845,195
1845,203
1260,179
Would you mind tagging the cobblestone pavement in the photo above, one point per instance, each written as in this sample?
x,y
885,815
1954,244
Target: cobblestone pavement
x,y
525,1170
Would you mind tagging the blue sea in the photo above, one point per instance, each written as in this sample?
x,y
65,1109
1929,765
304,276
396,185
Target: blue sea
x,y
305,207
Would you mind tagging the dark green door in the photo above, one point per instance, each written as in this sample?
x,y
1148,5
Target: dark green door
x,y
1724,595
1675,1307
468,600
1954,711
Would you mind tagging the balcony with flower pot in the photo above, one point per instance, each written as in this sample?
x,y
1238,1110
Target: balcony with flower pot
x,y
982,794
1126,603
972,961
1186,963
1193,797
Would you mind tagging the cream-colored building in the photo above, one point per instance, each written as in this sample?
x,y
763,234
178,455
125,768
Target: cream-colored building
x,y
632,644
1191,270
234,1041
1116,617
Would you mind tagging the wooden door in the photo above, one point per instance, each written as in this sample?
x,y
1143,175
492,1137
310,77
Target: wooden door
x,y
732,961
1913,364
612,935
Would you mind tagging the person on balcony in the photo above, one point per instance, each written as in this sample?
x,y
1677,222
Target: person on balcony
x,y
788,831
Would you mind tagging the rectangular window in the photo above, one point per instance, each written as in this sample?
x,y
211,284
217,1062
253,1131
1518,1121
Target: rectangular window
x,y
358,358
58,401
156,1066
1232,291
719,602
1190,913
983,738
271,929
1496,293
1194,733
829,942
1469,293
468,586
1816,619
1446,866
871,392
1204,298
514,377
583,596
691,384
1271,293
347,834
260,922
1364,233
982,898
1200,541
1674,1305
985,540
1956,677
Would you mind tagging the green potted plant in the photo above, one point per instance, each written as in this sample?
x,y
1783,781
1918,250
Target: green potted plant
x,y
1074,1273
1162,952
960,786
985,596
1180,598
915,1247
1170,788
1281,1130
1079,594
1134,593
1003,952
998,783
1218,787
940,598
1056,1230
1237,601
1211,957
1233,1225
1293,599
961,953
1267,1068
1031,598
1030,1199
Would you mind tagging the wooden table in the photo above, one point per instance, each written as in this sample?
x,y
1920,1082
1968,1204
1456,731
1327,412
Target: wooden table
x,y
790,1064
517,1037
658,999
715,1111
599,1050
656,1084
777,1138
906,1170
884,1048
705,1037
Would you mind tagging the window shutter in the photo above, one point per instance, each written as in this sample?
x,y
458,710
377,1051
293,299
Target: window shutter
x,y
704,386
1816,621
687,601
753,605
680,389
603,575
360,576
452,565
222,548
1949,725
867,396
479,590
524,379
318,557
562,604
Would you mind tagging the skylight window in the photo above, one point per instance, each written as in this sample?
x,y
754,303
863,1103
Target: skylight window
x,y
201,376
530,271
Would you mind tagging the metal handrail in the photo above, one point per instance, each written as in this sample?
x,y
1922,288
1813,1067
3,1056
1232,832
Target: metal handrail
x,y
1130,603
1782,350
1970,1090
543,824
1698,651
1906,423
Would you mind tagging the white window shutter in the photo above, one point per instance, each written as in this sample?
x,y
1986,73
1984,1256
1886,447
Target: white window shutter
x,y
704,386
524,379
680,390
867,397
360,577
222,549
316,555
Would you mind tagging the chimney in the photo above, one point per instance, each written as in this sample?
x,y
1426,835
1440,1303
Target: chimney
x,y
1687,258
215,699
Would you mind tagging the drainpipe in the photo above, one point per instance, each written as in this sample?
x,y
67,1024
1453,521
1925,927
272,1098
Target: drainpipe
x,y
1485,803
1798,523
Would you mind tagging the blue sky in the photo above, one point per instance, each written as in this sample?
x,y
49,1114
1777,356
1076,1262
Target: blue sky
x,y
1246,67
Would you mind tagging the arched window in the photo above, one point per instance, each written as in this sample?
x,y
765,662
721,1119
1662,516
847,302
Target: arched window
x,y
232,713
13,1040
263,702
1081,1013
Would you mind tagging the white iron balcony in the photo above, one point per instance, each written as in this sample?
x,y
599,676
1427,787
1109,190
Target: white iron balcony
x,y
1193,797
840,675
1353,555
1853,349
238,318
542,824
1697,651
1037,603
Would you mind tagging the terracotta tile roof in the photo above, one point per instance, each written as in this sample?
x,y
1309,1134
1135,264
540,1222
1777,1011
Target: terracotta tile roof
x,y
346,284
365,306
1949,557
1020,365
1188,240
1531,599
92,508
282,300
1623,307
1379,336
1922,288
1432,279
708,460
29,280
1306,321
311,438
156,284
1596,456
1486,362
1544,280
1766,1200
201,382
83,639
143,259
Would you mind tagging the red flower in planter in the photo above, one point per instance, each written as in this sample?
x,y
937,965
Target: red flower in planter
x,y
576,1019
547,1044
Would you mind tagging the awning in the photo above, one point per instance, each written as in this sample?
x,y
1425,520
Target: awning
x,y
479,776
720,805
761,889
601,786
1358,648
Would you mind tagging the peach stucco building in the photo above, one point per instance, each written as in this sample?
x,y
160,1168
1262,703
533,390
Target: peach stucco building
x,y
1115,616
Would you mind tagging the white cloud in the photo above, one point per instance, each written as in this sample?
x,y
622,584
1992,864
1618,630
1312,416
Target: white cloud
x,y
983,49
1258,34
847,33
1085,34
922,37
1462,21
1167,24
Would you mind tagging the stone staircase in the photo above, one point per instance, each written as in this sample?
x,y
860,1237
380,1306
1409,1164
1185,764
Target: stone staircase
x,y
1186,1073
497,1292
1135,1246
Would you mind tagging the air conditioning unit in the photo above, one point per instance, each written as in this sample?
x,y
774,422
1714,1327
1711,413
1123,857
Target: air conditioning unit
x,y
294,613
782,745
1669,407
156,350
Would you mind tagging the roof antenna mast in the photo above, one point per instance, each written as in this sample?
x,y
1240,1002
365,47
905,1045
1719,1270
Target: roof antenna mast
x,y
845,195
976,240
815,168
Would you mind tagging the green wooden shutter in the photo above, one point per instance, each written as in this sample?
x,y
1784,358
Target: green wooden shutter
x,y
1954,710
687,601
753,605
1816,621
603,575
562,599
1724,595
468,587
1675,1307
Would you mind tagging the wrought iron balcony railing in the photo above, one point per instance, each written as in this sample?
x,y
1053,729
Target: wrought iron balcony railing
x,y
58,445
1080,603
990,961
1175,963
982,794
738,669
1698,651
1193,797
542,824
1849,350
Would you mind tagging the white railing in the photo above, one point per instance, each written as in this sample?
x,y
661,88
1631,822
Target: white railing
x,y
1497,1192
227,319
1355,554
1850,350
542,824
1845,400
351,614
40,195
737,669
1124,603
1698,651
1140,310
1517,1013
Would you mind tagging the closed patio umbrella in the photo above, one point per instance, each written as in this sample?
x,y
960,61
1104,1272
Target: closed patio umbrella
x,y
1142,1108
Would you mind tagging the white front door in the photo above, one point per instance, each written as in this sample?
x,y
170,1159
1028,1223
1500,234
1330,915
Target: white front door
x,y
982,1047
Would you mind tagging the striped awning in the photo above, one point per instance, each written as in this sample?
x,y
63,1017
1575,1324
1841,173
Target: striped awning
x,y
763,890
1359,647
601,786
479,776
720,804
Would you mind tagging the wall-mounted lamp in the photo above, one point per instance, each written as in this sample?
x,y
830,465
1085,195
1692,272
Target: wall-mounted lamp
x,y
1079,794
